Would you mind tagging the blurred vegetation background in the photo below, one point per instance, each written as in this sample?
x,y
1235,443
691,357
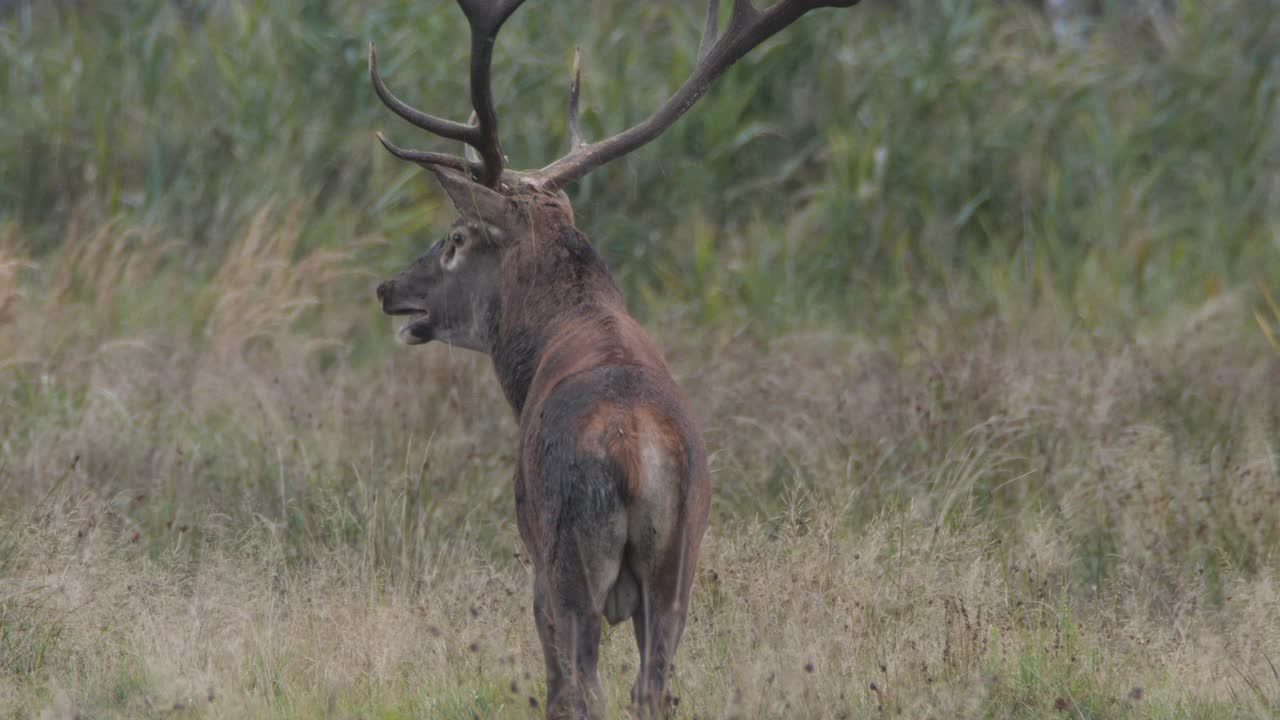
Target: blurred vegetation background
x,y
977,305
889,158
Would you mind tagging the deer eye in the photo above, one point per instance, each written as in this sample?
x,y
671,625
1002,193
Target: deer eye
x,y
450,254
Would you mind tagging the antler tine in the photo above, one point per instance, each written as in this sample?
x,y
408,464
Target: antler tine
x,y
467,151
747,28
575,89
710,33
439,126
431,159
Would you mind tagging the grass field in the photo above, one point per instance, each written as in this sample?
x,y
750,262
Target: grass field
x,y
981,327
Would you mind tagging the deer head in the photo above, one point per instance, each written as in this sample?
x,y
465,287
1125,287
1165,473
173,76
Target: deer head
x,y
452,292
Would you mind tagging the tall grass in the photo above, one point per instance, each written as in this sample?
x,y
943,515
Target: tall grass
x,y
971,318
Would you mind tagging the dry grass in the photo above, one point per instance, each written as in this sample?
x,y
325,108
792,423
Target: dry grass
x,y
796,623
214,507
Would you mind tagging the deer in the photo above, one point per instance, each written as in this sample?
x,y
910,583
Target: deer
x,y
612,487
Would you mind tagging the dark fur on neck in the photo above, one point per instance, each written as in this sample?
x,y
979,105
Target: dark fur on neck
x,y
553,283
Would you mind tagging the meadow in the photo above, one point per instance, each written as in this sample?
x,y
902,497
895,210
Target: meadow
x,y
981,324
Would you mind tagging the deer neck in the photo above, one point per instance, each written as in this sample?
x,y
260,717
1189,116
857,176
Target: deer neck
x,y
558,302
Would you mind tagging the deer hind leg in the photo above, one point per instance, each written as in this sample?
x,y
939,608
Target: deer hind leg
x,y
569,603
546,634
570,645
658,623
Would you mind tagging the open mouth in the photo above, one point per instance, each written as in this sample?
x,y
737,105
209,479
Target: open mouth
x,y
416,330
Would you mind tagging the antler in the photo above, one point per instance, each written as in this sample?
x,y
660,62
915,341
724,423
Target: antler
x,y
747,28
486,19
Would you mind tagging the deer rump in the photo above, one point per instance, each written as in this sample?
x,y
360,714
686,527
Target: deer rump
x,y
606,464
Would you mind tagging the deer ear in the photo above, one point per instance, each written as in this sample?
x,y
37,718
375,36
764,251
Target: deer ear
x,y
475,201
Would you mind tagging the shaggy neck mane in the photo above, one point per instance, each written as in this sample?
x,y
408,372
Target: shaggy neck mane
x,y
560,312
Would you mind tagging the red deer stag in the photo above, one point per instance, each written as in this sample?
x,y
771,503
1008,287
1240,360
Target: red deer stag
x,y
611,484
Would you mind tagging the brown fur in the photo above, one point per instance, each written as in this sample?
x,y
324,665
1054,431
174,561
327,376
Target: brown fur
x,y
610,433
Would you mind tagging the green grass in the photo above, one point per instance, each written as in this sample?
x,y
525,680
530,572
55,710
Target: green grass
x,y
956,150
980,326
